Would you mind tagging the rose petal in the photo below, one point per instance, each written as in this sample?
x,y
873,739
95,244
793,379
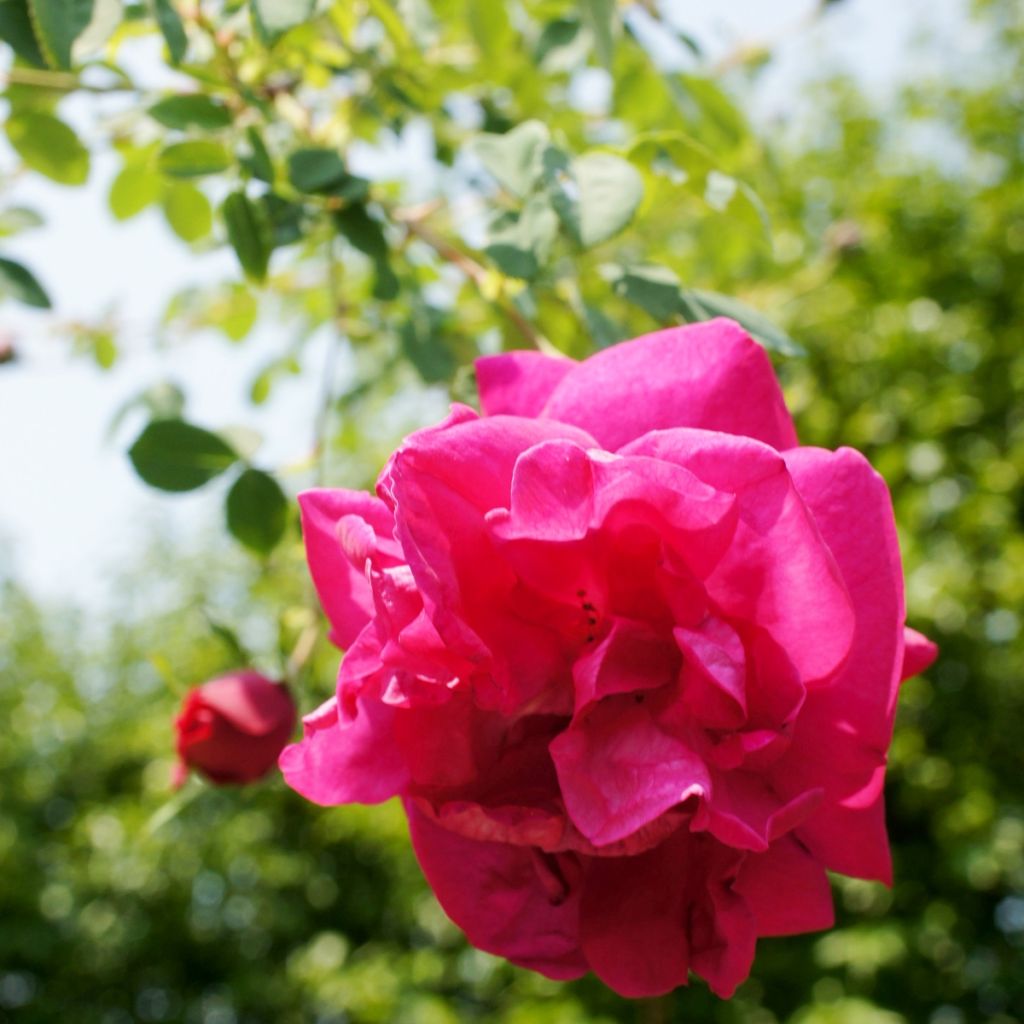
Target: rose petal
x,y
787,889
346,761
710,375
340,579
843,731
918,653
509,900
518,383
633,919
777,573
618,770
250,703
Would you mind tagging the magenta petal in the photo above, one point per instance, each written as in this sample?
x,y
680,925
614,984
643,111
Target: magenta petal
x,y
918,653
512,901
633,657
710,375
714,673
341,531
518,383
346,761
633,920
777,573
618,770
843,731
787,889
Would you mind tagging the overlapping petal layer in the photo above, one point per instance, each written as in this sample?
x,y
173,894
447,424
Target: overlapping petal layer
x,y
628,655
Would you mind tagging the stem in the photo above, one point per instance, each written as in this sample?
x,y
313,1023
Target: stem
x,y
63,81
412,221
323,418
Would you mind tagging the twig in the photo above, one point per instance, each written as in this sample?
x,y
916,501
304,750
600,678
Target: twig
x,y
323,418
63,81
412,220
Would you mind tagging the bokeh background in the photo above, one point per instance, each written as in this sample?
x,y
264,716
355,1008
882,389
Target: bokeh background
x,y
886,149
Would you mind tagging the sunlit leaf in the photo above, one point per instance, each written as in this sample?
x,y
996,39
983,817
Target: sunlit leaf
x,y
134,188
610,190
194,159
187,210
515,159
49,146
275,17
599,17
191,110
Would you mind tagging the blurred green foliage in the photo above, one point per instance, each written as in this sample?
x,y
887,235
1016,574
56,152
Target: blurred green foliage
x,y
895,256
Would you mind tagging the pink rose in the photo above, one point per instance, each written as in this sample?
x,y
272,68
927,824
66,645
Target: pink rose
x,y
231,729
628,655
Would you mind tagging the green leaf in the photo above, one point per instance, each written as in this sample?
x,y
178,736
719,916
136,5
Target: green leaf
x,y
194,159
49,146
366,234
187,210
257,511
558,48
704,305
384,11
134,188
57,24
423,344
106,16
601,329
275,17
610,190
490,27
171,28
16,219
191,110
16,30
655,289
285,218
17,282
321,171
173,455
521,246
515,159
249,233
258,162
599,17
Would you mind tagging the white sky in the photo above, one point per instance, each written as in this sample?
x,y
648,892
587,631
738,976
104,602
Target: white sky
x,y
70,506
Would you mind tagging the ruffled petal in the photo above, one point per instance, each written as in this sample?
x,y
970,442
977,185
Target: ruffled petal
x,y
512,901
777,572
342,761
710,375
618,770
518,383
844,729
342,530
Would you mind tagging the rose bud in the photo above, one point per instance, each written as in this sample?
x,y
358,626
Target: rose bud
x,y
232,728
628,653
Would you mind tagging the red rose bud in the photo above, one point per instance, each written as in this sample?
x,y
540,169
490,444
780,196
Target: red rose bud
x,y
232,728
